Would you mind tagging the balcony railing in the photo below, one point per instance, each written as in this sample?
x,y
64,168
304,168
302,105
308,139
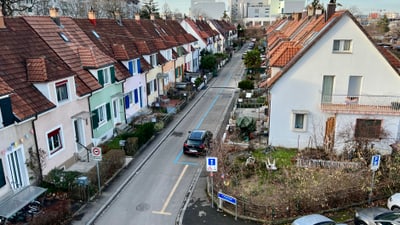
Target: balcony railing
x,y
362,104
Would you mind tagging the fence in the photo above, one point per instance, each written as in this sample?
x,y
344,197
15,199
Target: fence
x,y
319,163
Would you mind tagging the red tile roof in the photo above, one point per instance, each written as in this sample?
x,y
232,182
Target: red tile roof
x,y
20,45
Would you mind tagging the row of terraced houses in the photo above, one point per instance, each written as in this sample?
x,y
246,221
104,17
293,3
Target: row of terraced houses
x,y
66,83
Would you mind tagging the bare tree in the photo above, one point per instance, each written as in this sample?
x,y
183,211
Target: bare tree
x,y
166,11
15,7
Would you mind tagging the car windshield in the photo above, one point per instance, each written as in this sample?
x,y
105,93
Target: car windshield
x,y
193,142
388,216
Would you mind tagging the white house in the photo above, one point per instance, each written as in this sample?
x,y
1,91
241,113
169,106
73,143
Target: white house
x,y
330,83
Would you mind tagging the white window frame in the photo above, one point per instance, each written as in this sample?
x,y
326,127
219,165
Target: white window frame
x,y
342,45
135,70
295,123
153,60
52,140
59,85
107,76
102,113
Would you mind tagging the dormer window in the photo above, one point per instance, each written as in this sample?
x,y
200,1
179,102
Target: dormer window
x,y
95,34
153,60
64,36
134,66
106,75
62,91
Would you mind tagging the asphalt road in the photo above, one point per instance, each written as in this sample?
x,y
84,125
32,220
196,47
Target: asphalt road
x,y
159,186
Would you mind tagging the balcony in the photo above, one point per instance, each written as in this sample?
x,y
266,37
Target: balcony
x,y
363,104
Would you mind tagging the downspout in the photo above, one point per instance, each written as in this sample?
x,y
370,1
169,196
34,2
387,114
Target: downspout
x,y
40,179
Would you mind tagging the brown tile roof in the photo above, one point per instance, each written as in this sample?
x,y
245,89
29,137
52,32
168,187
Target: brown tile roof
x,y
293,40
120,53
20,45
36,69
49,31
89,57
4,88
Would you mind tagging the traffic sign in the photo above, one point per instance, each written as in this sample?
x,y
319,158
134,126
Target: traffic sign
x,y
375,161
212,164
96,153
227,198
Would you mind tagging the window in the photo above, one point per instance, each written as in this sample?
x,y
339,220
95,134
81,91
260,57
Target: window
x,y
153,60
341,45
106,75
101,115
368,128
151,86
62,91
95,34
54,140
64,36
300,120
1,119
327,89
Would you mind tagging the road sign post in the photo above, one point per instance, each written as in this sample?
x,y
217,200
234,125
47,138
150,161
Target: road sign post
x,y
96,155
375,161
230,199
212,166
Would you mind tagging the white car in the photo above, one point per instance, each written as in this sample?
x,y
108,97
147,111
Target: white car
x,y
315,219
394,202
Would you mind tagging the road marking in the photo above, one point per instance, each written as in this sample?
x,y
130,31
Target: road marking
x,y
171,194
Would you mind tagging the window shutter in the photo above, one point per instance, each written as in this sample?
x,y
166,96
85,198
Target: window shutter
x,y
112,74
108,109
130,65
138,66
6,111
127,102
2,177
95,119
155,85
148,88
100,77
136,96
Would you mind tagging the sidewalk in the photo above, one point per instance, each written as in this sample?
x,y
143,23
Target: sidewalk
x,y
199,210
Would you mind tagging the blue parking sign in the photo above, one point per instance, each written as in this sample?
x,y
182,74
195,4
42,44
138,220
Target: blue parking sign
x,y
212,164
375,161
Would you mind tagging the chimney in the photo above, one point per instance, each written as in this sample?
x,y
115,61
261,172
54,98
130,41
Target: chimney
x,y
54,15
92,17
117,16
152,16
297,16
331,9
137,16
2,24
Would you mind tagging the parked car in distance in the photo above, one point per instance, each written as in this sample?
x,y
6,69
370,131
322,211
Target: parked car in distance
x,y
394,202
198,142
376,215
315,219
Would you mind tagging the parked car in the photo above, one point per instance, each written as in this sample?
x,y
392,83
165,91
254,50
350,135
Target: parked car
x,y
315,219
376,215
198,142
394,202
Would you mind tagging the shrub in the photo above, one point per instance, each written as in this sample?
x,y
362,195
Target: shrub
x,y
144,132
246,85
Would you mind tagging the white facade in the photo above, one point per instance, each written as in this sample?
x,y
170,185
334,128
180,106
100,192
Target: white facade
x,y
299,91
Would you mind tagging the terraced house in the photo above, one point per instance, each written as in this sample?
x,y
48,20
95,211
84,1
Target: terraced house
x,y
67,84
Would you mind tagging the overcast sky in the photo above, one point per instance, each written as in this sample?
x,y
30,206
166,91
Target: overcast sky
x,y
365,6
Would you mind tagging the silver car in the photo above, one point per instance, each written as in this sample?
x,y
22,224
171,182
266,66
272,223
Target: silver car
x,y
376,216
394,202
315,219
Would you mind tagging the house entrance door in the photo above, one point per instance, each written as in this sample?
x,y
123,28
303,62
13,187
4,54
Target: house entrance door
x,y
17,170
329,133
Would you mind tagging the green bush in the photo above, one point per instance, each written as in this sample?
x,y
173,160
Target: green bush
x,y
246,85
144,132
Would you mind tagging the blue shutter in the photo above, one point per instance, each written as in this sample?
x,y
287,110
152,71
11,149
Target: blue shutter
x,y
139,69
127,102
100,77
130,65
136,96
